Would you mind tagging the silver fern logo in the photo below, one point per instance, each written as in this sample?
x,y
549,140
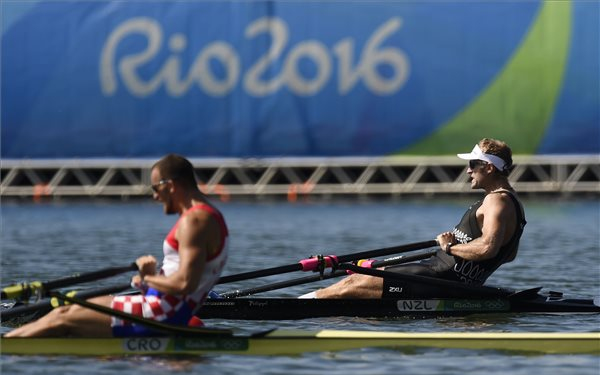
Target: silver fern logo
x,y
461,236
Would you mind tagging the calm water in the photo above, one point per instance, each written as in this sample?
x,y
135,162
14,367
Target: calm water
x,y
560,251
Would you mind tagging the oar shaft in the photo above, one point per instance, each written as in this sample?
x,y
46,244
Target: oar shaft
x,y
283,284
331,275
150,323
474,290
46,305
402,259
89,276
387,251
341,259
260,273
20,290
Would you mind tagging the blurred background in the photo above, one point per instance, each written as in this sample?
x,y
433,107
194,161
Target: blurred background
x,y
295,98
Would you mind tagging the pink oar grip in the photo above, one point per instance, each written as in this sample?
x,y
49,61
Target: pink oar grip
x,y
311,264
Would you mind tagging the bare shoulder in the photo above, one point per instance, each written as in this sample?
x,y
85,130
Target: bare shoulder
x,y
499,202
497,197
195,230
196,221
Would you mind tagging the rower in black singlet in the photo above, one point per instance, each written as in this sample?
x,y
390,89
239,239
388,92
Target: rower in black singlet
x,y
454,268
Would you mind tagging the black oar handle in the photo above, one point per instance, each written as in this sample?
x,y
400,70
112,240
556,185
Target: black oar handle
x,y
21,290
341,259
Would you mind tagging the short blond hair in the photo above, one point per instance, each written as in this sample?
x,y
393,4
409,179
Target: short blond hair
x,y
500,149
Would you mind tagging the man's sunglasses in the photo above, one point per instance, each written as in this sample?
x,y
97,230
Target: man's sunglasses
x,y
161,182
474,163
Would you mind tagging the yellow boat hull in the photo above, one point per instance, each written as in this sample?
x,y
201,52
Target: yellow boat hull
x,y
286,342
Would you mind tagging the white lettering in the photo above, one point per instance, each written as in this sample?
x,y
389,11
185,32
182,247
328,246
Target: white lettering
x,y
469,272
108,81
139,344
261,78
225,53
315,51
279,34
418,305
370,59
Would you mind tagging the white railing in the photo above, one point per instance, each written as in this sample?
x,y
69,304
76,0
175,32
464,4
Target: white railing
x,y
294,177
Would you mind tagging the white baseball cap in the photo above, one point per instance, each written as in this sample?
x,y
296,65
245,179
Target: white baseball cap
x,y
477,154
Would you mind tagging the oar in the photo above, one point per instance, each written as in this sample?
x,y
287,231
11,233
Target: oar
x,y
48,304
24,290
474,290
396,260
153,324
314,278
314,263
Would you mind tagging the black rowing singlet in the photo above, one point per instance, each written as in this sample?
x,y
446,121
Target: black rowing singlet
x,y
470,271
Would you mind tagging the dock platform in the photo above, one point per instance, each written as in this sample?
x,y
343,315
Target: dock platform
x,y
293,178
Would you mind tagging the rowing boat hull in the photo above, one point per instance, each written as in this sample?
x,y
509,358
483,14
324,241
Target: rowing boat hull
x,y
285,342
293,308
249,308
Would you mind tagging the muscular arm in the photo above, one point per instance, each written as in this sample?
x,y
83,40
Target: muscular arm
x,y
194,237
496,215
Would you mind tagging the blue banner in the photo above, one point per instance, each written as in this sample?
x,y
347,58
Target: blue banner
x,y
255,79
